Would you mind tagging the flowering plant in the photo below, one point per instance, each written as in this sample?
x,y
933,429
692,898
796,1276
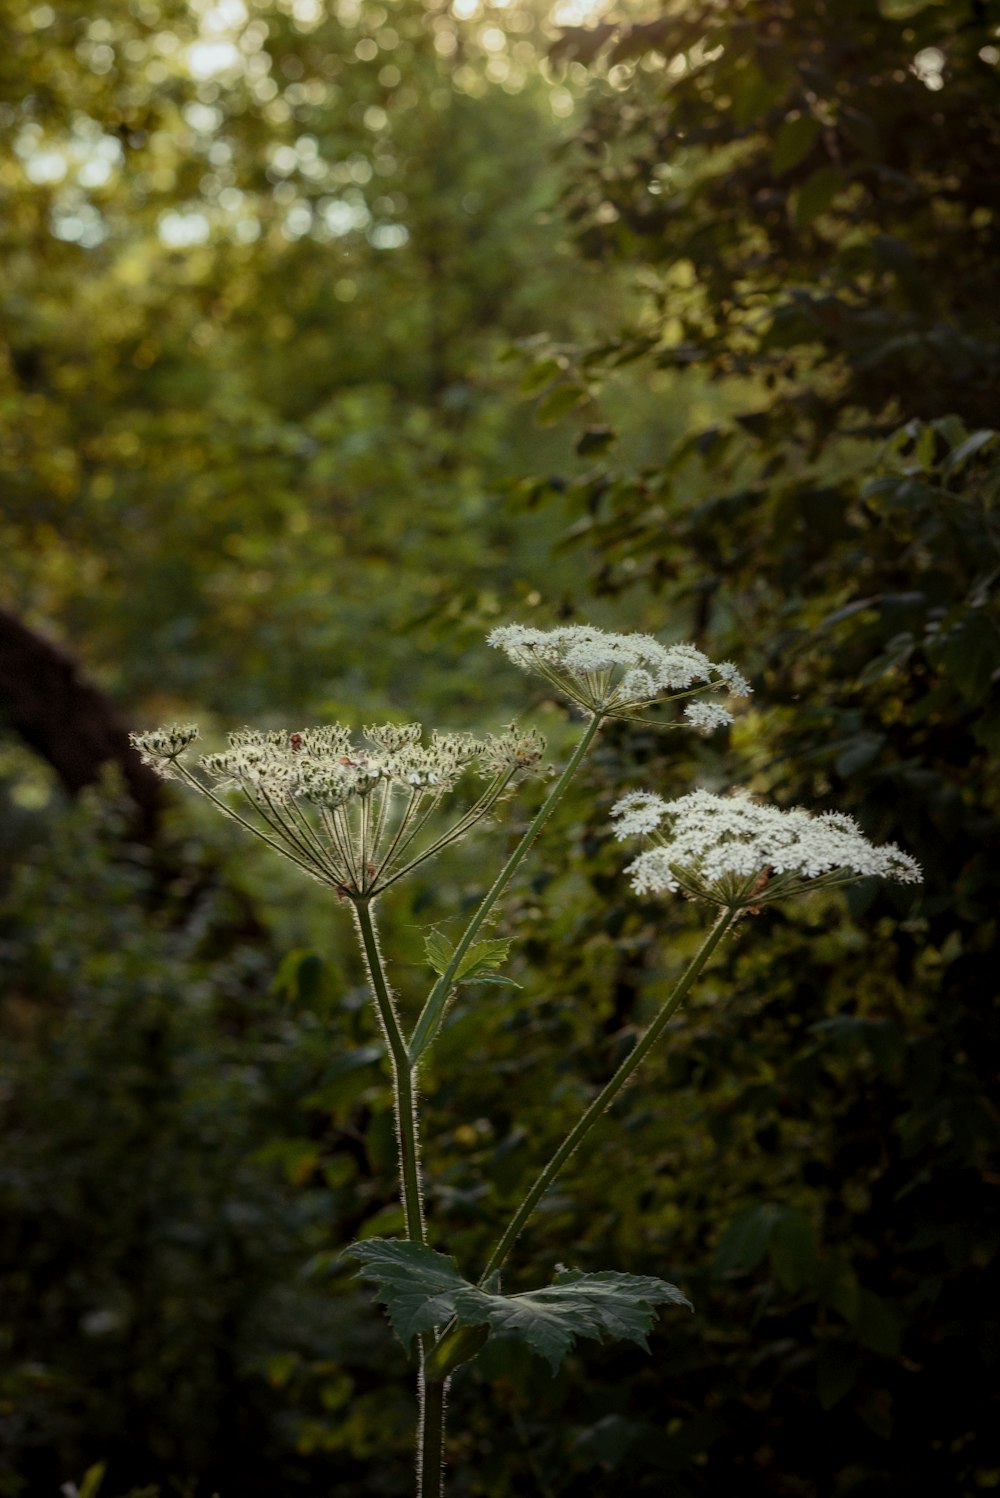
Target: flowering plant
x,y
621,676
360,816
357,817
732,852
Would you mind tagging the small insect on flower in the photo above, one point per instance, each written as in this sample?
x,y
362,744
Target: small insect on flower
x,y
524,753
295,741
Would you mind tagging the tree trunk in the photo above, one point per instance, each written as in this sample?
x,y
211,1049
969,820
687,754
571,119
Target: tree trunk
x,y
68,721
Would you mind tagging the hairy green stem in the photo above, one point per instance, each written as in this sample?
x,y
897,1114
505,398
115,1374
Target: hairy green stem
x,y
430,1460
430,1394
605,1097
433,1010
402,1075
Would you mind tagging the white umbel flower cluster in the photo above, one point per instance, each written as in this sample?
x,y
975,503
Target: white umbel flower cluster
x,y
161,746
323,766
739,854
621,676
357,816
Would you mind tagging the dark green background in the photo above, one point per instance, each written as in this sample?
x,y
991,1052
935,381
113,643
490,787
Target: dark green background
x,y
692,328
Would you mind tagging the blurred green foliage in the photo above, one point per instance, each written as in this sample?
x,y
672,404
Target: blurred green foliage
x,y
806,200
262,458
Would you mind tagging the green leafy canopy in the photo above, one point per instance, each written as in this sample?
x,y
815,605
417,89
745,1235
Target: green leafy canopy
x,y
422,1289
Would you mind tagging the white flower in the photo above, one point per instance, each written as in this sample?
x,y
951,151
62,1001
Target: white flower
x,y
513,750
619,676
355,816
737,853
637,813
707,716
162,746
164,743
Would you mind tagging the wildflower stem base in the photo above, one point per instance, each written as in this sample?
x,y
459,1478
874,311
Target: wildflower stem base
x,y
430,1460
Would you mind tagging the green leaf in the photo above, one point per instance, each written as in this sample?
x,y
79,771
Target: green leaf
x,y
858,753
793,143
421,1289
896,653
306,978
438,951
558,403
540,375
746,1240
968,448
92,1479
595,440
574,1305
754,95
483,957
970,654
458,1345
478,965
815,195
416,1285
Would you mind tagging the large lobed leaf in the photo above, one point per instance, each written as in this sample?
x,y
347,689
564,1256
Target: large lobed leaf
x,y
575,1305
416,1285
422,1289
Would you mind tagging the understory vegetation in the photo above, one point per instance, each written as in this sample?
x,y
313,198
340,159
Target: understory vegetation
x,y
332,338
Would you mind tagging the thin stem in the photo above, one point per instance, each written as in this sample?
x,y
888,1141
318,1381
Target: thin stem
x,y
384,794
605,1097
341,844
430,1458
468,820
431,1014
413,800
313,839
430,1394
234,816
402,1076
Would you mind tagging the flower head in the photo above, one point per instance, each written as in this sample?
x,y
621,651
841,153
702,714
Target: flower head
x,y
621,676
737,853
355,815
160,747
